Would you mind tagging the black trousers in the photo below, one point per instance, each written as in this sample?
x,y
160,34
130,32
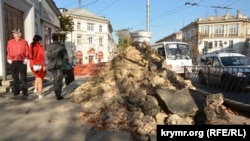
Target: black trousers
x,y
16,68
57,81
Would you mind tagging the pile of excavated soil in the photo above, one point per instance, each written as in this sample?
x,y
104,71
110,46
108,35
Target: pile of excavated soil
x,y
125,94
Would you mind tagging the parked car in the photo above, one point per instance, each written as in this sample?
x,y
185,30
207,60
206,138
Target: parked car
x,y
225,69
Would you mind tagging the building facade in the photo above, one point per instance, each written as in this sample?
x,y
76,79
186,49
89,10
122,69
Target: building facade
x,y
91,40
174,37
215,34
32,17
218,34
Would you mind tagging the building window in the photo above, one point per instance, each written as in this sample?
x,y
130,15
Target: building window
x,y
90,40
233,29
205,30
78,26
215,43
231,43
248,31
206,44
79,39
218,29
210,45
100,28
220,43
90,27
100,41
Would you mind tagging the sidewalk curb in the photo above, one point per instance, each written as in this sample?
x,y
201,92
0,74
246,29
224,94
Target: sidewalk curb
x,y
229,102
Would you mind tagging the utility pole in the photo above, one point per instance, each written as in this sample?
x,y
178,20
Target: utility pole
x,y
147,7
79,1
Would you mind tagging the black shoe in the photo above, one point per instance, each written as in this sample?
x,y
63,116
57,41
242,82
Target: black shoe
x,y
16,93
24,92
60,98
24,97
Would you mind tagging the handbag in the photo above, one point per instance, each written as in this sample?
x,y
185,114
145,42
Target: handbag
x,y
69,76
37,67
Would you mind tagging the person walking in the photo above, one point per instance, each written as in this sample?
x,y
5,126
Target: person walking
x,y
57,55
18,57
37,64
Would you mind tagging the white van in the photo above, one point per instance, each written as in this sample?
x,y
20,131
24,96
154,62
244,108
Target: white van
x,y
176,54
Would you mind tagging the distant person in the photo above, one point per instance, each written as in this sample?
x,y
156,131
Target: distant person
x,y
17,57
57,55
37,64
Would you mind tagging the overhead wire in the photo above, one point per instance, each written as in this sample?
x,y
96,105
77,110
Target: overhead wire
x,y
236,9
112,3
66,6
160,17
165,14
80,7
220,9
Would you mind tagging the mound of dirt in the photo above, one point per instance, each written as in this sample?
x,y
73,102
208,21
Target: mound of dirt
x,y
125,93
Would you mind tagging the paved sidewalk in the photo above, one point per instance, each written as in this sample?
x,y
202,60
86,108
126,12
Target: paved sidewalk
x,y
48,119
33,119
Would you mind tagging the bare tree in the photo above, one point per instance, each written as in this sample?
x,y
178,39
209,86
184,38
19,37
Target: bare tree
x,y
66,26
195,50
124,38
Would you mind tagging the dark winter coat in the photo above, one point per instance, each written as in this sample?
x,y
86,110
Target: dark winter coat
x,y
57,55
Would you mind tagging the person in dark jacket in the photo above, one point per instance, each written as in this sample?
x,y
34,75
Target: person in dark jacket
x,y
18,57
57,55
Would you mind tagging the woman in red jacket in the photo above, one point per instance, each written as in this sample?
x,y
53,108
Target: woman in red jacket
x,y
37,64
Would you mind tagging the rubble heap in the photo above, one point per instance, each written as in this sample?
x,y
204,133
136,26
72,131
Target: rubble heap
x,y
136,91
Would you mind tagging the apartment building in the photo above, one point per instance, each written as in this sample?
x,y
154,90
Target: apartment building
x,y
91,40
215,34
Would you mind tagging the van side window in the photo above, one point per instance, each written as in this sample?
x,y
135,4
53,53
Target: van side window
x,y
161,51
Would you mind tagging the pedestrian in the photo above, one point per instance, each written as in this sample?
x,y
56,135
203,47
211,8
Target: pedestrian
x,y
18,57
57,55
37,64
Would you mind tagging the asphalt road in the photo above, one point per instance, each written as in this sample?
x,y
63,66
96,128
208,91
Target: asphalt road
x,y
33,119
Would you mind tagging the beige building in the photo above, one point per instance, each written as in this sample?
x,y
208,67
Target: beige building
x,y
215,34
174,37
91,39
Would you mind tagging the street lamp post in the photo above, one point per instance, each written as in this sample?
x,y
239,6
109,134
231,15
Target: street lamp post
x,y
72,54
147,15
